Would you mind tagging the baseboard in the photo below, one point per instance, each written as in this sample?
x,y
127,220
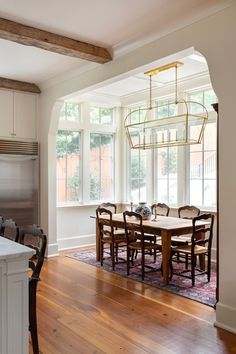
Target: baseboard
x,y
76,242
225,317
52,250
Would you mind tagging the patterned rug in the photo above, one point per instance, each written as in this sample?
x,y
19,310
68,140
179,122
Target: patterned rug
x,y
203,291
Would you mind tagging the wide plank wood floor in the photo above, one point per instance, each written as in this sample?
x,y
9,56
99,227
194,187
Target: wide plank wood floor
x,y
82,309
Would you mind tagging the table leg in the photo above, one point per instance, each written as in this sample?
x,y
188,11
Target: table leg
x,y
202,257
97,242
166,249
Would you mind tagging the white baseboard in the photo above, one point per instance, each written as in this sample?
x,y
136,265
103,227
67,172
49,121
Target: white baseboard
x,y
76,242
225,317
52,250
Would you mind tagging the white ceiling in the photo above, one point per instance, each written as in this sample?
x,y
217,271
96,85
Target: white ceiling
x,y
118,25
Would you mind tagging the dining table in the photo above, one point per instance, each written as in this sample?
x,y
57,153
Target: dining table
x,y
163,226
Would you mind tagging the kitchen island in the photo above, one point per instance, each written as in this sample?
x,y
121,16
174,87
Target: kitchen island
x,y
14,322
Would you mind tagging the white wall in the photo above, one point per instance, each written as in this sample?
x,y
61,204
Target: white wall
x,y
214,38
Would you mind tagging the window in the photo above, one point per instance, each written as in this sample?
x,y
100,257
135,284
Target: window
x,y
70,112
167,175
101,166
68,166
100,115
202,169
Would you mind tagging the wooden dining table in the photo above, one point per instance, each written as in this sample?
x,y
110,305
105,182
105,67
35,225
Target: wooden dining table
x,y
164,226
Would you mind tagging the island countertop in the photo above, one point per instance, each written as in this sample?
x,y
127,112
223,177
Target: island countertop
x,y
10,249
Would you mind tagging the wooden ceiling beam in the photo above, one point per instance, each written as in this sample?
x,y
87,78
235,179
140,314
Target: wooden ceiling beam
x,y
35,37
18,85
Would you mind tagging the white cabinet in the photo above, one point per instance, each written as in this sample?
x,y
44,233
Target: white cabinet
x,y
18,114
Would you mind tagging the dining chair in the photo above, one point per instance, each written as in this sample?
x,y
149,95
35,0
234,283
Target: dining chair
x,y
33,236
201,243
137,241
10,230
184,212
160,209
108,236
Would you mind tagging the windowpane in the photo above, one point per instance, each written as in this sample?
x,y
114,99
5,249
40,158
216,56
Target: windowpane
x,y
138,167
101,115
196,97
162,190
94,115
167,175
196,165
210,193
209,98
70,111
196,192
210,136
106,116
68,166
101,166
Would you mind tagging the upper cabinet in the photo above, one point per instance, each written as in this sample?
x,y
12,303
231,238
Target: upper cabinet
x,y
18,111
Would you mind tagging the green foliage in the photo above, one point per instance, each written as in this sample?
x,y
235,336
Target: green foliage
x,y
97,140
74,184
70,111
67,143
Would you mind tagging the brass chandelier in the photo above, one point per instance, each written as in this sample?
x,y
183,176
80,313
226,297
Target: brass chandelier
x,y
152,131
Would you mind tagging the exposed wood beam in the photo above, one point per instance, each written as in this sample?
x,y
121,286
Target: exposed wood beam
x,y
18,85
31,36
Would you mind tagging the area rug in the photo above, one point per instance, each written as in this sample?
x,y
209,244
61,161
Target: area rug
x,y
203,291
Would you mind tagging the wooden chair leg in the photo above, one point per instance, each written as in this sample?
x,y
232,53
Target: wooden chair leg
x,y
143,263
128,259
113,256
33,318
186,261
209,266
101,252
193,261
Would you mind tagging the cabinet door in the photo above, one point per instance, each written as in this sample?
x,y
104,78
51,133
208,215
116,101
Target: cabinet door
x,y
6,114
25,115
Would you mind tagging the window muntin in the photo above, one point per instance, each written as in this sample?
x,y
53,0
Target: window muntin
x,y
101,115
101,166
68,166
70,112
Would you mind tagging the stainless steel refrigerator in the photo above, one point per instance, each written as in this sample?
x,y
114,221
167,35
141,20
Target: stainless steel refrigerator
x,y
19,182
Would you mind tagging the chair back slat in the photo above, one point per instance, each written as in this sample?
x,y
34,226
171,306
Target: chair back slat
x,y
33,236
161,209
199,231
188,212
131,227
10,230
110,206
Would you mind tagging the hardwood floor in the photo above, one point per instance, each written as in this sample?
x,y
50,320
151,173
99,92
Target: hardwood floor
x,y
82,309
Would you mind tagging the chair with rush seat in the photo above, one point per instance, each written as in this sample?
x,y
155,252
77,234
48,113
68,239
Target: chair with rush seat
x,y
137,243
201,242
107,235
